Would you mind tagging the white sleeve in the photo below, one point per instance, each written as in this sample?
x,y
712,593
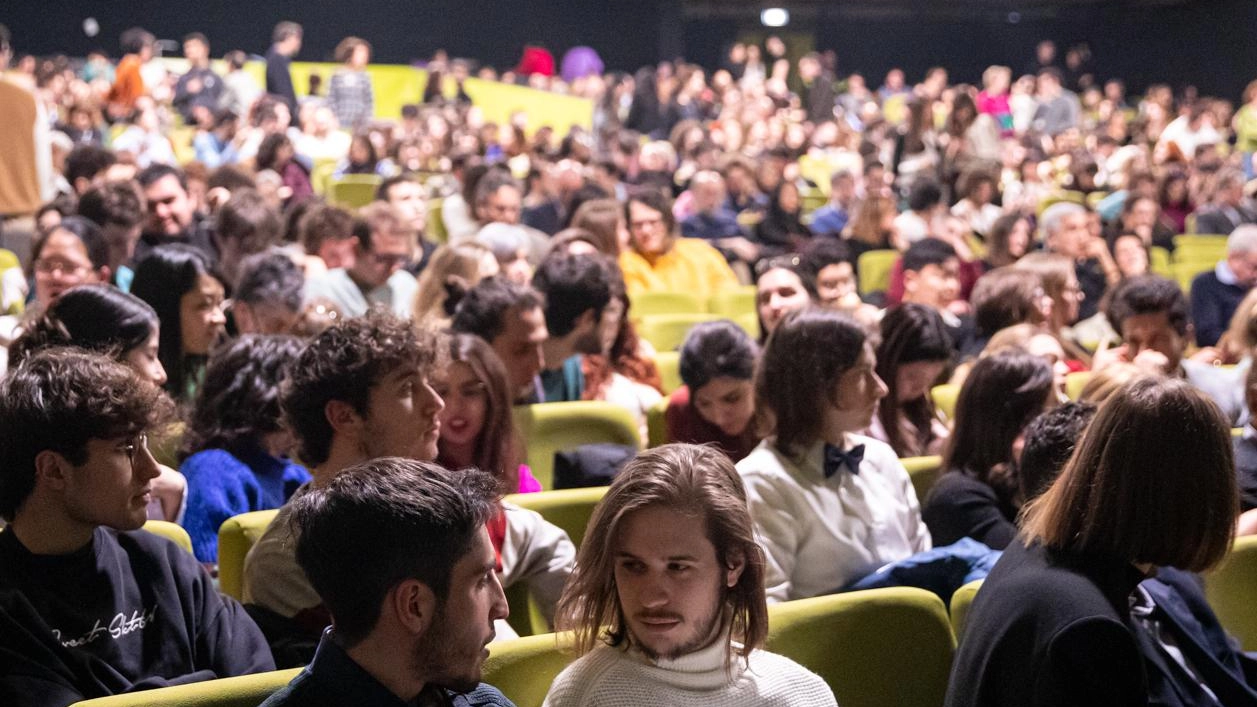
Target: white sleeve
x,y
776,527
538,553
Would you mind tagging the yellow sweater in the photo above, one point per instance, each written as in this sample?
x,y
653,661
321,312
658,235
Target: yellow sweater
x,y
690,266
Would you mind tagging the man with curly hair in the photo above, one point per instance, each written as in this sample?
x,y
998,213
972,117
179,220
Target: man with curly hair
x,y
359,391
90,605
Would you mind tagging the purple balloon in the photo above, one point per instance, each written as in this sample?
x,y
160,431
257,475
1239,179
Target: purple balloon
x,y
579,62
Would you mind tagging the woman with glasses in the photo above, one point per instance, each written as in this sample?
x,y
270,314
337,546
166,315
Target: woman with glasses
x,y
658,260
106,320
74,252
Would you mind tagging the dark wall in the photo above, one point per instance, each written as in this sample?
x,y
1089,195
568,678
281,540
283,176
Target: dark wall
x,y
1206,43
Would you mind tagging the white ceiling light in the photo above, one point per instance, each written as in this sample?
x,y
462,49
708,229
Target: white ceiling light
x,y
774,17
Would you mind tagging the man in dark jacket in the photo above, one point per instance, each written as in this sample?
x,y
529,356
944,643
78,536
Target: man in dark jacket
x,y
286,42
90,605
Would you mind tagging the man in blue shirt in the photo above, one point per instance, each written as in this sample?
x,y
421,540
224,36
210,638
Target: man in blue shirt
x,y
832,218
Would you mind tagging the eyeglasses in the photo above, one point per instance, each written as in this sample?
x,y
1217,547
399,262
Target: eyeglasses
x,y
389,261
53,265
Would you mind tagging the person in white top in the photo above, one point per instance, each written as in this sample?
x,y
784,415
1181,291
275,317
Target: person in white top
x,y
667,602
830,506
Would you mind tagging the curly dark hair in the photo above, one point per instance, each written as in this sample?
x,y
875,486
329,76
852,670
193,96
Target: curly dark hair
x,y
238,403
342,363
57,400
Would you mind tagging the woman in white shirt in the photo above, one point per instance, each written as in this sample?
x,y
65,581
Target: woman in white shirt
x,y
829,505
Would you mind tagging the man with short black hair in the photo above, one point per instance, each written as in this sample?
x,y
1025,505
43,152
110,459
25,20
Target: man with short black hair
x,y
268,294
384,244
358,391
118,208
171,215
931,276
405,193
577,291
86,165
412,616
199,91
90,605
1150,314
510,318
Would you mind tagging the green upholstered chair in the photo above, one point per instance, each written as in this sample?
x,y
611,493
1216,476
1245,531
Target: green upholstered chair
x,y
524,668
1075,382
236,536
733,302
666,332
960,603
944,397
243,691
1232,591
570,509
874,268
435,230
661,302
546,428
923,471
656,424
876,648
353,191
669,365
171,531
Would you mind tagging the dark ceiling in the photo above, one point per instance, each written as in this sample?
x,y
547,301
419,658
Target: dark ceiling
x,y
818,10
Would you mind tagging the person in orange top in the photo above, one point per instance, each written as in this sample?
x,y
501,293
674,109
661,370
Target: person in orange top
x,y
658,259
128,84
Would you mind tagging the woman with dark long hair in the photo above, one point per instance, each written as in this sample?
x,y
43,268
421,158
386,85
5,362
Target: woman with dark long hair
x,y
914,352
782,230
978,495
178,282
235,450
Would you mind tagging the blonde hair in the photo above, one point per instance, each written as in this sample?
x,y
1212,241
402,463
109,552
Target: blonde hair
x,y
452,267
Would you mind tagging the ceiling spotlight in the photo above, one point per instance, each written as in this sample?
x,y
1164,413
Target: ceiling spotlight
x,y
774,17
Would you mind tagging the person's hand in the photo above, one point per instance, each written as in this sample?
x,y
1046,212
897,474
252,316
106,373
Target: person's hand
x,y
194,86
1247,524
1208,355
1152,362
1105,357
741,247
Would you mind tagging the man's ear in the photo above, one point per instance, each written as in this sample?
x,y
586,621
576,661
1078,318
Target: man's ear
x,y
51,469
413,605
342,416
910,280
588,320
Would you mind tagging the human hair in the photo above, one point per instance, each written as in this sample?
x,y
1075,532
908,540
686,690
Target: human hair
x,y
342,363
58,399
429,516
235,59
1000,396
451,272
162,278
493,180
87,233
482,311
719,349
997,252
345,49
87,161
151,174
380,217
799,371
1123,494
284,30
498,447
1104,383
927,251
1052,217
268,151
135,40
654,200
571,286
688,479
820,253
249,221
1242,240
381,192
238,404
600,217
1055,272
1004,297
321,222
270,277
1050,439
925,194
866,224
1148,294
98,318
910,333
112,204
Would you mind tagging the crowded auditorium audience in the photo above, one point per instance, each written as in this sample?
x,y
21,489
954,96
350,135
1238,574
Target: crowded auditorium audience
x,y
229,296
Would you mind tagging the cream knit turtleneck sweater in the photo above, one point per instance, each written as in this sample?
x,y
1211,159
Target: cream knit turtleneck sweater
x,y
615,677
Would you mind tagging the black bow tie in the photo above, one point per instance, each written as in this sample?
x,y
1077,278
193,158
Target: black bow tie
x,y
835,459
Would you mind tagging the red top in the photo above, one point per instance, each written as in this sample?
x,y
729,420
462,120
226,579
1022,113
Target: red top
x,y
684,424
